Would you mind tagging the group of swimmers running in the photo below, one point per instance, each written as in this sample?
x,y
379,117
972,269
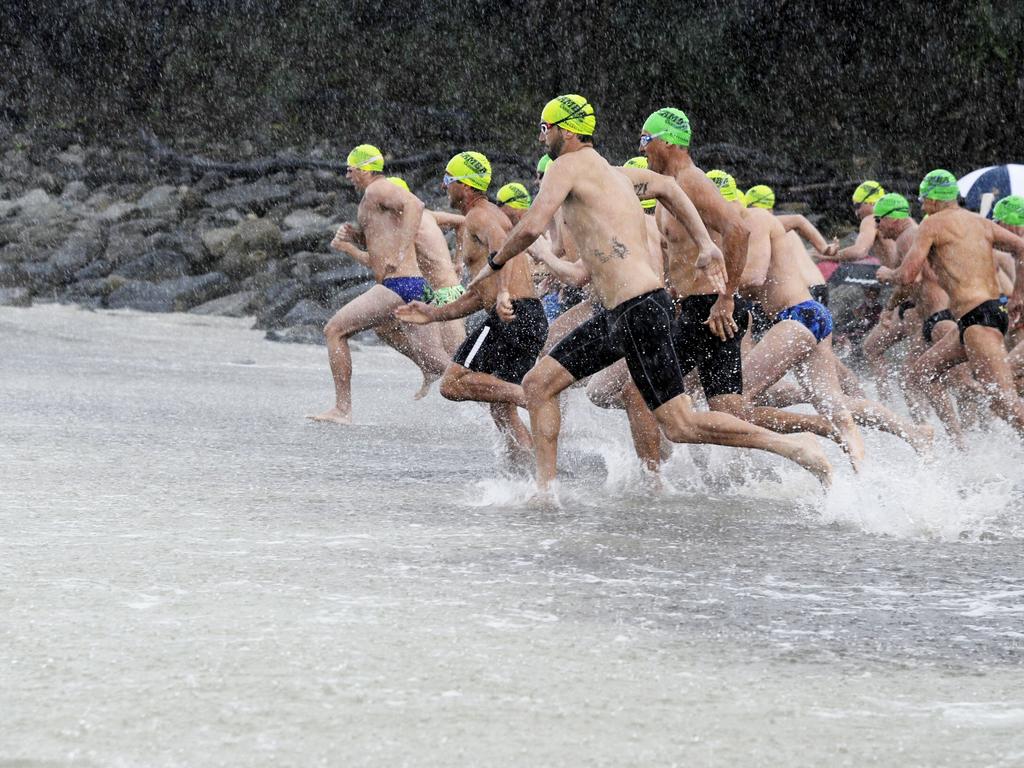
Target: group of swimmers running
x,y
679,283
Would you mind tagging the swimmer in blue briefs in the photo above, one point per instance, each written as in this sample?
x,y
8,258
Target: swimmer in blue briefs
x,y
801,341
393,230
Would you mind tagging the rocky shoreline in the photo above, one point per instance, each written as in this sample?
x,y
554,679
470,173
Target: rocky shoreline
x,y
143,228
111,229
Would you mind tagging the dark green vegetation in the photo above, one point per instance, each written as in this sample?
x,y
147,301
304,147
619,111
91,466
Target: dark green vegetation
x,y
825,89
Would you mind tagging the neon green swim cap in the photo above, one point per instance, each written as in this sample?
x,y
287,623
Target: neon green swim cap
x,y
543,163
1010,211
471,168
868,192
892,206
572,112
760,196
940,184
515,195
641,162
399,182
366,157
726,184
670,125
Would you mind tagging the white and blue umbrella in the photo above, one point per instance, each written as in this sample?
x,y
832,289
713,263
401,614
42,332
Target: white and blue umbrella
x,y
996,180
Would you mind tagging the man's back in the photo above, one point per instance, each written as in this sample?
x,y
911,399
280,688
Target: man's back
x,y
961,257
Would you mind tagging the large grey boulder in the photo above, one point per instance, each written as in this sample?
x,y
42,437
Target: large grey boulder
x,y
244,249
274,303
233,305
79,250
163,201
259,197
175,295
156,265
307,312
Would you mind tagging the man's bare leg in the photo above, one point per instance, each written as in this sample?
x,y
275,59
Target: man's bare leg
x,y
613,388
421,344
775,419
566,322
518,443
366,311
542,385
460,383
453,333
987,355
925,372
818,374
681,424
887,333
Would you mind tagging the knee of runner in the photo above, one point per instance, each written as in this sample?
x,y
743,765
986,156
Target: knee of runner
x,y
535,386
449,386
680,429
336,329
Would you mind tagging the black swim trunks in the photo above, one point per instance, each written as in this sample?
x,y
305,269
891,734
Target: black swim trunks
x,y
506,350
760,321
991,314
718,362
932,320
904,306
639,329
820,293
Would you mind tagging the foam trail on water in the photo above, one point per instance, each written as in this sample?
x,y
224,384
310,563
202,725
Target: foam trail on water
x,y
956,495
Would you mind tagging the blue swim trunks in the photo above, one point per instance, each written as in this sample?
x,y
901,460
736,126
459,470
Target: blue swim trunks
x,y
811,315
409,288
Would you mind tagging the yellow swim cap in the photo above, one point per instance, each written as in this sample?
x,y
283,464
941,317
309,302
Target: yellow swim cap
x,y
726,185
868,192
471,168
572,112
514,195
366,157
640,162
398,181
760,196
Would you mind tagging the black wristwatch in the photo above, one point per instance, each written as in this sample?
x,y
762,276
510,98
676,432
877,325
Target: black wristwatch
x,y
491,263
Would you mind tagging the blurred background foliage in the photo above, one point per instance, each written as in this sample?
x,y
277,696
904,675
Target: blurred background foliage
x,y
806,87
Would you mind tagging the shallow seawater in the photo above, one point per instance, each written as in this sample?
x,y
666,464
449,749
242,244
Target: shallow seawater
x,y
192,574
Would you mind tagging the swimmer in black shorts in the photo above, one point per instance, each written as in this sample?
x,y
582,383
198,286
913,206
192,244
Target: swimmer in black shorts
x,y
490,364
601,208
958,244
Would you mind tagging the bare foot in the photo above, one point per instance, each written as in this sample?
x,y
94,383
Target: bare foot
x,y
852,443
428,382
921,438
544,499
333,416
806,452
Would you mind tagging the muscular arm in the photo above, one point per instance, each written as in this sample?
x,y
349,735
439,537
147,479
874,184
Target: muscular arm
x,y
356,253
862,245
648,184
446,220
569,272
554,189
794,222
912,264
1006,240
